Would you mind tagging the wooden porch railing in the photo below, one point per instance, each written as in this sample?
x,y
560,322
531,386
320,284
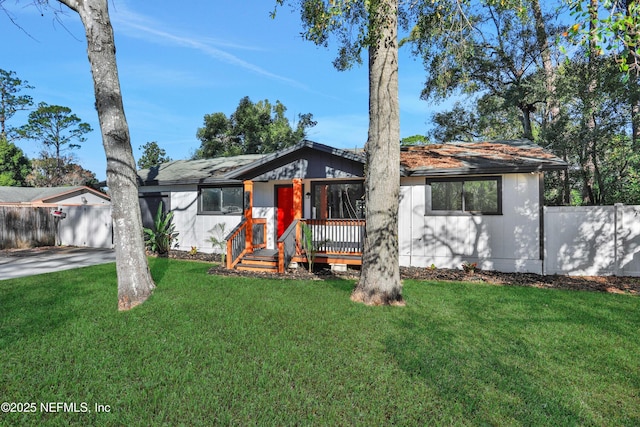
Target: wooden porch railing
x,y
259,233
329,236
237,244
287,247
336,236
237,240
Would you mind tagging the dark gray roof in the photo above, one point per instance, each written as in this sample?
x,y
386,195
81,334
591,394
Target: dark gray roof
x,y
195,171
457,158
350,155
32,194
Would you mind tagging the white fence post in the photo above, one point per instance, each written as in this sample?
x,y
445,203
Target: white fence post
x,y
618,238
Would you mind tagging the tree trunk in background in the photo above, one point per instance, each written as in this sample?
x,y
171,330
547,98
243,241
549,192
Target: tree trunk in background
x,y
134,279
588,154
525,119
542,40
379,282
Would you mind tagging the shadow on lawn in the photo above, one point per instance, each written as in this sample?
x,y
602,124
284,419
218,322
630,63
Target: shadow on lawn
x,y
481,366
343,285
158,266
39,306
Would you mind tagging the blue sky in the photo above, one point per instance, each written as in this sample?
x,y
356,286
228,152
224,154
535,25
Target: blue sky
x,y
178,63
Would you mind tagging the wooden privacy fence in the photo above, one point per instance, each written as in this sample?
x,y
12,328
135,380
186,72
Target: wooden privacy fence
x,y
23,227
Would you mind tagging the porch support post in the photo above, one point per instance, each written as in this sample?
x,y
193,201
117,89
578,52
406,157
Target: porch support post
x,y
297,198
248,214
297,206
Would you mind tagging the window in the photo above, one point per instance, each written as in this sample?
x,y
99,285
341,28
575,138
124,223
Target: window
x,y
472,195
344,200
221,200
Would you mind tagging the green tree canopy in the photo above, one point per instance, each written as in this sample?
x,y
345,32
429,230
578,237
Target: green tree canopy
x,y
14,165
611,26
491,48
152,155
58,130
10,99
414,140
253,128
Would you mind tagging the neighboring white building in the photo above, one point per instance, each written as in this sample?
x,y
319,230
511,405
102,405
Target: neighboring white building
x,y
85,218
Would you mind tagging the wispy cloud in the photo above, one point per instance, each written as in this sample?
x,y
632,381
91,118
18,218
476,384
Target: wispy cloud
x,y
138,26
343,131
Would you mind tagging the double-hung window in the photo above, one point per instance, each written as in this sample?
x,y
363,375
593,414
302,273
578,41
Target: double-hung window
x,y
221,200
469,195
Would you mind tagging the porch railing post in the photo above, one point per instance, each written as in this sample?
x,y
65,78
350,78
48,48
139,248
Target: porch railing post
x,y
297,205
248,214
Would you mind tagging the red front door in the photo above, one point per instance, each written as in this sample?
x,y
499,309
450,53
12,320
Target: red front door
x,y
284,201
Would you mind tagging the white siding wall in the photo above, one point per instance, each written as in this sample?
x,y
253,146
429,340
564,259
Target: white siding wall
x,y
507,242
263,200
195,230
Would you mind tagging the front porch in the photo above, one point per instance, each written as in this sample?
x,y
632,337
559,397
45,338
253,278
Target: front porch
x,y
323,241
328,241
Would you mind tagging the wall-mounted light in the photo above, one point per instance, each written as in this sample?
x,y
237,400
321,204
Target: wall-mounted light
x,y
307,195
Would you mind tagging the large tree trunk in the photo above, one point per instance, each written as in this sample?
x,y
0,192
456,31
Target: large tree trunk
x,y
379,282
134,279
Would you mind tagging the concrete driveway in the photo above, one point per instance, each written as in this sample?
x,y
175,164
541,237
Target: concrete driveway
x,y
29,262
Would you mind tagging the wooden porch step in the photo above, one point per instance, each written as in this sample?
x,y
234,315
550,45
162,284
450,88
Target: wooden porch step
x,y
262,260
250,266
256,269
259,262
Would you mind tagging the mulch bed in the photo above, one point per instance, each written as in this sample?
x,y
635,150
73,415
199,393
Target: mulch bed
x,y
610,284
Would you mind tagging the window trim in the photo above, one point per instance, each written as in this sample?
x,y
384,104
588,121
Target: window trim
x,y
496,178
320,182
221,187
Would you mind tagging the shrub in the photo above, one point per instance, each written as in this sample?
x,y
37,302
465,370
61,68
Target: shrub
x,y
161,238
218,240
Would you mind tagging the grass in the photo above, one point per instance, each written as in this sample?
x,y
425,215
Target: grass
x,y
207,350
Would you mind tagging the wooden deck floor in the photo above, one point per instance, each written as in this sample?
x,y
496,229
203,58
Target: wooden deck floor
x,y
324,258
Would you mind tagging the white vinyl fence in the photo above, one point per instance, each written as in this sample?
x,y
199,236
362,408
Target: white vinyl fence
x,y
592,240
86,226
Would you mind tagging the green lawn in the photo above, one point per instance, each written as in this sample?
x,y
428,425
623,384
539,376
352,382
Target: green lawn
x,y
207,350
